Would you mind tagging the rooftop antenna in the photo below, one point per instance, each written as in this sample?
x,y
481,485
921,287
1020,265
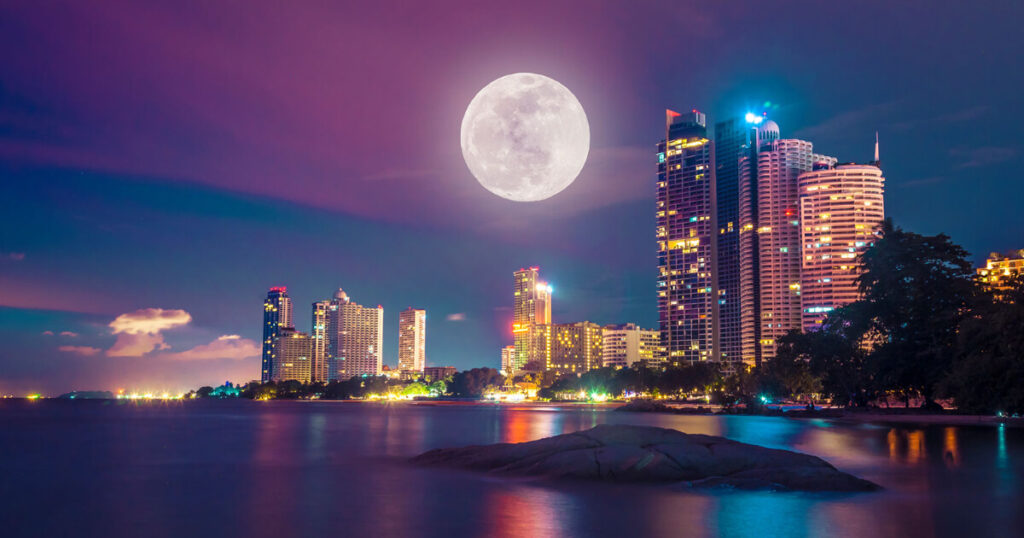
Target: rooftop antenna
x,y
877,162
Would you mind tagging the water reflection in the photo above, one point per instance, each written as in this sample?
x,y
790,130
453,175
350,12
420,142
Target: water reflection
x,y
526,511
521,425
951,449
906,446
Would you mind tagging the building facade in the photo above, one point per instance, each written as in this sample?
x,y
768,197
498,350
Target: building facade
x,y
355,336
570,348
318,341
841,211
1001,269
412,341
293,357
687,235
623,346
531,306
438,373
277,315
779,165
508,358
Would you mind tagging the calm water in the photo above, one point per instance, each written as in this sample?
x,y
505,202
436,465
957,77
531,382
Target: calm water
x,y
226,468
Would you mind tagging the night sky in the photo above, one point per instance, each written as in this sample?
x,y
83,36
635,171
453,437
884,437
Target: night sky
x,y
164,163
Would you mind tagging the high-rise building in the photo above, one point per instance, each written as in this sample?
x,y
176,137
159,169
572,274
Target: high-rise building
x,y
732,142
508,357
622,346
355,336
277,315
412,341
318,340
841,212
292,356
531,306
1001,269
764,133
779,164
569,348
687,233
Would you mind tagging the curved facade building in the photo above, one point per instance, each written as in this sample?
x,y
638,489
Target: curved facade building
x,y
841,211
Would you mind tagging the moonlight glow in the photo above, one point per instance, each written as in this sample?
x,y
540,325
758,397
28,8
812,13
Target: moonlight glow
x,y
525,137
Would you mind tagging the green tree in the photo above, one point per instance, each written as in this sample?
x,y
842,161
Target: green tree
x,y
473,383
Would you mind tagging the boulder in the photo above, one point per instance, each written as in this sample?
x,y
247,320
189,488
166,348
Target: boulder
x,y
620,453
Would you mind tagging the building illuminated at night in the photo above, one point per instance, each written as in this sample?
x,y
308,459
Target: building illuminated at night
x,y
412,342
569,348
318,341
508,357
1001,269
292,356
277,315
841,212
779,164
623,346
355,336
687,235
531,306
438,373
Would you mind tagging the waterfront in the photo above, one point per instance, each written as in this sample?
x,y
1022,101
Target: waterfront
x,y
338,468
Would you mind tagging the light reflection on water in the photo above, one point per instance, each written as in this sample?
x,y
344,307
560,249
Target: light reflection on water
x,y
330,468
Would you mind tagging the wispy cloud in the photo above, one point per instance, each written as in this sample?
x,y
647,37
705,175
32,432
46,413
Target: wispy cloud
x,y
229,346
13,256
983,156
458,316
69,334
80,350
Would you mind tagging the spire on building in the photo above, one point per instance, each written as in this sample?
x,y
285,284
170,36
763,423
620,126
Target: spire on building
x,y
876,162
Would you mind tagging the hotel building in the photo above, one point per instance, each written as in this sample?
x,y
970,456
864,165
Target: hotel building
x,y
277,315
292,356
1001,269
318,340
508,357
779,164
569,348
412,342
687,234
623,346
355,336
841,212
531,306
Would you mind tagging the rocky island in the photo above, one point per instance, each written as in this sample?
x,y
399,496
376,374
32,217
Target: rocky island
x,y
621,453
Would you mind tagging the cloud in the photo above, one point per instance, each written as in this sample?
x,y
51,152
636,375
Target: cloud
x,y
984,156
458,316
69,334
47,333
229,346
80,350
138,332
871,115
14,256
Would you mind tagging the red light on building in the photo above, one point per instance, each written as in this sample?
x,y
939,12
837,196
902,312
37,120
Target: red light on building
x,y
282,289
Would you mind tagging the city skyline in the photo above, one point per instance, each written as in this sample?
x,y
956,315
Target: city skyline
x,y
145,234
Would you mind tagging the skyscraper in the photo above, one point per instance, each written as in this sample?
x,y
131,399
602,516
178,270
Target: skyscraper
x,y
355,336
687,233
765,132
412,334
318,340
277,315
841,212
733,139
531,306
292,356
779,164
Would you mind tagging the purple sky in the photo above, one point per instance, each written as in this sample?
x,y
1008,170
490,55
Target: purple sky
x,y
187,155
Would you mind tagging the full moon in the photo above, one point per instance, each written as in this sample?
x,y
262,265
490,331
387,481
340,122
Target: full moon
x,y
525,137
